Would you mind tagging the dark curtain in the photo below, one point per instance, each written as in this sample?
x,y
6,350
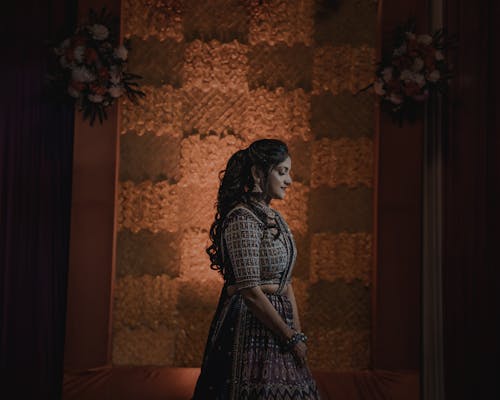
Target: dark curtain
x,y
36,137
471,274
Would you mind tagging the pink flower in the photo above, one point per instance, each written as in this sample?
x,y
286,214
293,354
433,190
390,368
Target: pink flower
x,y
378,87
73,92
99,32
121,52
434,76
115,91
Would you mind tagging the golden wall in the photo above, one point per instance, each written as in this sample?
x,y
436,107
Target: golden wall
x,y
219,74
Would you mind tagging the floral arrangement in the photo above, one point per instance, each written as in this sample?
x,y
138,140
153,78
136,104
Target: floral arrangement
x,y
414,70
91,67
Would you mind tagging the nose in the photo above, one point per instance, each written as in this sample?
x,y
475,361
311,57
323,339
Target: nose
x,y
288,180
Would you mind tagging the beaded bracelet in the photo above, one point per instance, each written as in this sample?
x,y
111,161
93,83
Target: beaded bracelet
x,y
296,337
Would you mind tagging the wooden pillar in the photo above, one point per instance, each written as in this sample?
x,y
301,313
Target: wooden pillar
x,y
93,232
398,219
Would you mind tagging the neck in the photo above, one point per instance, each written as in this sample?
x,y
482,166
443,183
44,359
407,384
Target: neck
x,y
260,198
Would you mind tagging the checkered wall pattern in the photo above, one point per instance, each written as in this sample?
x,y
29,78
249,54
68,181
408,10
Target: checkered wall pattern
x,y
219,74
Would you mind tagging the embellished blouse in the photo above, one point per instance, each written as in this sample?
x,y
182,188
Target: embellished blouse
x,y
259,252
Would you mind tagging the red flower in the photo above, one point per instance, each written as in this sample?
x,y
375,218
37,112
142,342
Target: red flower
x,y
411,88
403,62
90,55
70,54
77,85
98,89
103,73
78,41
394,86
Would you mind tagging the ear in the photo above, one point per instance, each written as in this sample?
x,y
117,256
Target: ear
x,y
256,173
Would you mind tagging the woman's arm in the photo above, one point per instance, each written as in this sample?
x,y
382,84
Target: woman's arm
x,y
261,307
291,296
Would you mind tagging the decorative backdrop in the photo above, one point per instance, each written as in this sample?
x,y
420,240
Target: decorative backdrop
x,y
219,74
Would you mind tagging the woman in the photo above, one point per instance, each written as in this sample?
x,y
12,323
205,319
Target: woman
x,y
255,348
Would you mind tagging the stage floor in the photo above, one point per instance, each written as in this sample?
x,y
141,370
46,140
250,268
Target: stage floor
x,y
155,383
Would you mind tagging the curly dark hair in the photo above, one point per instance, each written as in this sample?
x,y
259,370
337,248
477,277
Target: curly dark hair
x,y
237,183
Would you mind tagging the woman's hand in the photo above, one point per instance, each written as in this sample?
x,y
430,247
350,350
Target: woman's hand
x,y
299,353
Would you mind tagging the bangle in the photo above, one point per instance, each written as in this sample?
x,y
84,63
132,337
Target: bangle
x,y
296,337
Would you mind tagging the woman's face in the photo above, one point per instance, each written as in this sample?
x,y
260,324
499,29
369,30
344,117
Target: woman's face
x,y
279,179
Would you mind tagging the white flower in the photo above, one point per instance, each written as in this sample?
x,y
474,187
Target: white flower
x,y
115,76
419,79
439,55
424,39
73,92
115,91
395,99
418,64
78,53
406,75
400,50
99,32
378,86
82,74
387,74
121,52
95,98
434,76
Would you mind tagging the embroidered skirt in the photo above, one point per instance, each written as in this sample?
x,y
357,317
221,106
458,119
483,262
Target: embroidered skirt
x,y
244,360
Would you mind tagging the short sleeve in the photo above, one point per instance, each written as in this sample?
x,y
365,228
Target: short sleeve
x,y
242,235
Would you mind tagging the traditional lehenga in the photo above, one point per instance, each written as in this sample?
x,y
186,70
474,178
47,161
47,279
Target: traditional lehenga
x,y
243,359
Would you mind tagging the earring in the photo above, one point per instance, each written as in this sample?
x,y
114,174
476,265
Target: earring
x,y
256,187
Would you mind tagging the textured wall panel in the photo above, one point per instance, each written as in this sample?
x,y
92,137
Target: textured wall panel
x,y
144,346
197,302
202,157
339,305
340,209
148,205
278,113
158,62
280,66
300,154
342,162
260,113
342,68
301,292
302,263
344,256
346,22
210,65
160,112
342,115
294,208
220,74
147,253
223,20
288,21
148,301
158,18
338,349
194,260
149,157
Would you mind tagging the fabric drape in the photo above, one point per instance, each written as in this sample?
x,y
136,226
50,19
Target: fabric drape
x,y
35,188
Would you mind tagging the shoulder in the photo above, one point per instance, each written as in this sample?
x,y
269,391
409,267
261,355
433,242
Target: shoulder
x,y
241,213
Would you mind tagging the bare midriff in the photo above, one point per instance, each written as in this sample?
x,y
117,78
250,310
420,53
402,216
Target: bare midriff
x,y
269,289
